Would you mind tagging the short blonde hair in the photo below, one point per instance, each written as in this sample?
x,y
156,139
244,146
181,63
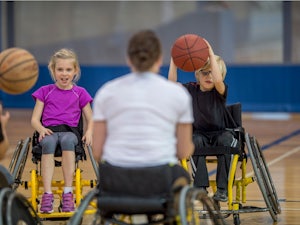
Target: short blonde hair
x,y
221,63
64,53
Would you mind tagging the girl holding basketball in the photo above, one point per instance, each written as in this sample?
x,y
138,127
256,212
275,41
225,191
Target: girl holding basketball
x,y
209,94
58,106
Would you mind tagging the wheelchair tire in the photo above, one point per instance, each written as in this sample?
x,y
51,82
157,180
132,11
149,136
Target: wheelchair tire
x,y
20,211
4,194
76,219
93,161
264,182
187,212
267,177
186,207
15,155
18,166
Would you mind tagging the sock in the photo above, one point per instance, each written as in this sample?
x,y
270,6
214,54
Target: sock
x,y
68,189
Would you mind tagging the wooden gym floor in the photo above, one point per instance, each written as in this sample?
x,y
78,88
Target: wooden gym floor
x,y
278,135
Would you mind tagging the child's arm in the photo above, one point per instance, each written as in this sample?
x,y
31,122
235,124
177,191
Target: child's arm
x,y
215,71
36,120
185,145
172,75
4,144
99,132
88,115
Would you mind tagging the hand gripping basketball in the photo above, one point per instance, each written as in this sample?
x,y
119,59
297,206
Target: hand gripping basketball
x,y
189,52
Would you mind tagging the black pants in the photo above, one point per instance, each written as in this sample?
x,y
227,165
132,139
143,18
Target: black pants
x,y
225,138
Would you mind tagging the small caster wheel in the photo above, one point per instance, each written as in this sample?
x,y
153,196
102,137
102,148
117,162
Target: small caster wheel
x,y
236,219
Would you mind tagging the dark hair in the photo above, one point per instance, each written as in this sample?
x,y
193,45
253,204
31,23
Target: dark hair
x,y
144,49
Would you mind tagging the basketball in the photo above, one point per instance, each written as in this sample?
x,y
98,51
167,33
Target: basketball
x,y
189,52
18,70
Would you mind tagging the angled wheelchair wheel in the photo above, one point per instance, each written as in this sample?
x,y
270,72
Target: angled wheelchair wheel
x,y
4,194
93,161
187,211
15,156
76,219
267,177
20,211
263,177
6,179
18,162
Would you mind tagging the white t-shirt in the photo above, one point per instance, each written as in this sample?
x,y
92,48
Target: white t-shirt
x,y
141,111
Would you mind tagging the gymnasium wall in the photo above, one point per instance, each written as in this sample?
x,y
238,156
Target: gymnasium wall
x,y
260,88
258,40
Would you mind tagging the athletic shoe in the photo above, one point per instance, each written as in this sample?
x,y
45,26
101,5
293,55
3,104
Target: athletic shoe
x,y
68,202
221,195
47,203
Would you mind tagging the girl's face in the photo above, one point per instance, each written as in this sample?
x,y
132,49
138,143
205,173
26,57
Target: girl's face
x,y
204,79
64,73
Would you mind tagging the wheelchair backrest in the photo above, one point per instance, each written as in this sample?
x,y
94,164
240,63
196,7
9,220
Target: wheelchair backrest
x,y
234,115
136,181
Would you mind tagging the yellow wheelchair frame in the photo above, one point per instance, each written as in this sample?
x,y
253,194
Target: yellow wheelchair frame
x,y
17,166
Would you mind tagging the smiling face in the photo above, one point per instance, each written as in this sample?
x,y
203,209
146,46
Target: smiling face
x,y
64,72
204,79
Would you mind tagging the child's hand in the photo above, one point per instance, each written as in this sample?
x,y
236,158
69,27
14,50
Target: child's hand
x,y
43,132
210,50
172,63
87,138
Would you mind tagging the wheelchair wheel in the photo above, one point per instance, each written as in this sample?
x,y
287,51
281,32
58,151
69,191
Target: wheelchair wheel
x,y
20,211
263,177
15,156
76,219
93,161
267,176
6,179
188,214
4,194
213,210
18,162
186,207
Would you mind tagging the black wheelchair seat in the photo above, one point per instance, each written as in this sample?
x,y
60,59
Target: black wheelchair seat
x,y
146,190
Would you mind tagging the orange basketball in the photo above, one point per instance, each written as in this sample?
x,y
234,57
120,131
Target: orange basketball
x,y
189,52
18,70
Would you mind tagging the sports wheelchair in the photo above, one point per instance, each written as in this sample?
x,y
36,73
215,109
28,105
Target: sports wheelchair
x,y
240,156
18,163
144,196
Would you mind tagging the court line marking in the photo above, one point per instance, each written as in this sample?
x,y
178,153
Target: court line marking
x,y
287,154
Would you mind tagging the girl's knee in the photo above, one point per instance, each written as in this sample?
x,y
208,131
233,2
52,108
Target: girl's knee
x,y
68,141
48,144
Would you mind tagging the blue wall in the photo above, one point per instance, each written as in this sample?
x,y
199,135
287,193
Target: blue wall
x,y
260,88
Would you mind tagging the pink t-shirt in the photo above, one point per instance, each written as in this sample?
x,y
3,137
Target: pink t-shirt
x,y
62,106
